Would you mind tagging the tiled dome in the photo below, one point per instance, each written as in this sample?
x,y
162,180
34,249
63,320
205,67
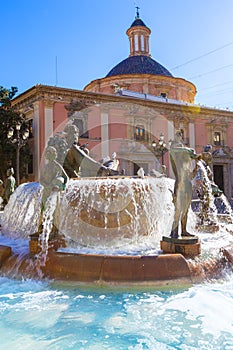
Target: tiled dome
x,y
139,65
138,22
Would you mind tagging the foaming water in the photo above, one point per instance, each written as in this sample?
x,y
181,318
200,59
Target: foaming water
x,y
123,216
211,263
110,213
47,225
212,207
108,216
22,213
228,210
43,315
96,214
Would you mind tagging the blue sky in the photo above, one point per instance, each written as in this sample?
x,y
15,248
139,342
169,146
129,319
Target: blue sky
x,y
87,38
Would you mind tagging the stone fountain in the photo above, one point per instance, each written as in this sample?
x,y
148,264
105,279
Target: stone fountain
x,y
105,229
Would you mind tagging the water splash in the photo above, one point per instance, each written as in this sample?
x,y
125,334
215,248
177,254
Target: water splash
x,y
47,226
228,210
112,213
54,316
22,213
210,208
122,216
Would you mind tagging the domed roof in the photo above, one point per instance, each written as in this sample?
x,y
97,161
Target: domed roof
x,y
137,22
139,65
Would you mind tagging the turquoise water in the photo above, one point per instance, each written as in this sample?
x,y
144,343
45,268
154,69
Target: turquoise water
x,y
45,315
50,315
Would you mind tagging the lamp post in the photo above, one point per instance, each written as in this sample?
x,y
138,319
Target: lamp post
x,y
160,147
18,138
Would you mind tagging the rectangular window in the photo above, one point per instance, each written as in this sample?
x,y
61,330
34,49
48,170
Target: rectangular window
x,y
140,133
217,138
30,124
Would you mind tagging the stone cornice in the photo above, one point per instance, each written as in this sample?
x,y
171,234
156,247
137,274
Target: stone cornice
x,y
85,99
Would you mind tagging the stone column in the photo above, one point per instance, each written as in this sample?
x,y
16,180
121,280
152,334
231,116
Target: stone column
x,y
48,121
191,135
104,134
36,133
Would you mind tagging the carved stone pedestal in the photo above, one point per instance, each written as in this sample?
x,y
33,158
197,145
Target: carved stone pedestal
x,y
187,246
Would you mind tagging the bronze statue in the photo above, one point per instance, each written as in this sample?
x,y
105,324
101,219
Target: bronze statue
x,y
53,175
182,164
60,144
75,157
9,185
53,179
77,162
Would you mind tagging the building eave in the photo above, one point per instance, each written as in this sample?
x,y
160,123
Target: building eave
x,y
66,95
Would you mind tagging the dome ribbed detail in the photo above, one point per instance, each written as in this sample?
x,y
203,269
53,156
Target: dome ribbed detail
x,y
139,65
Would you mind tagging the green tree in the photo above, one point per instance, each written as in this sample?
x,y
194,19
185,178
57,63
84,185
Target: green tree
x,y
9,118
6,96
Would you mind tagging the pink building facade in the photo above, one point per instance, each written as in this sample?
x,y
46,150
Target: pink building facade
x,y
126,111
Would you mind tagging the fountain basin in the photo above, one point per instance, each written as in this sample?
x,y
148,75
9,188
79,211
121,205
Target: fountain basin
x,y
110,250
108,212
101,269
97,213
102,215
117,269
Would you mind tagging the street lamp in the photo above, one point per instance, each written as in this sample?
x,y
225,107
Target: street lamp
x,y
18,138
160,147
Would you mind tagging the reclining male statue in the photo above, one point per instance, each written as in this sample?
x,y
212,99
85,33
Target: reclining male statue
x,y
77,161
